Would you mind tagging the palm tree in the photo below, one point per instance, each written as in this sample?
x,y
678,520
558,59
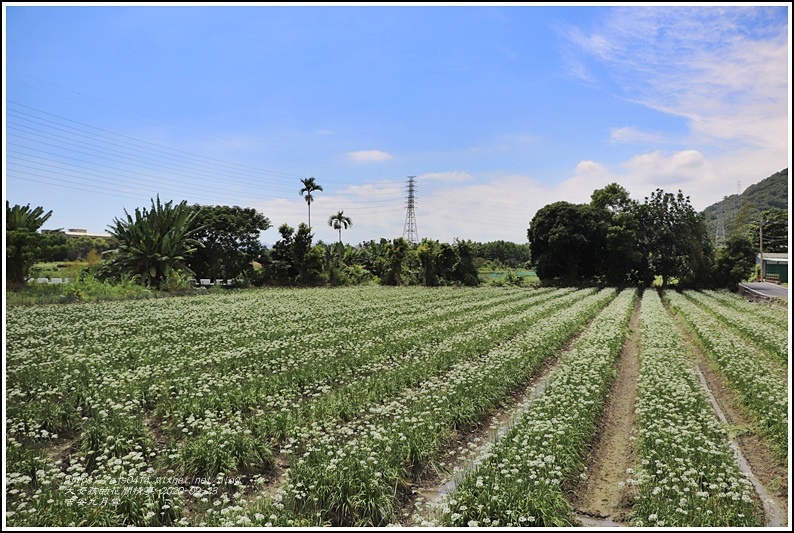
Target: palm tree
x,y
339,221
309,186
157,241
24,244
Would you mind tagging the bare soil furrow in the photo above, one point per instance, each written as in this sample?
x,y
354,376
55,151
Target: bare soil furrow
x,y
604,495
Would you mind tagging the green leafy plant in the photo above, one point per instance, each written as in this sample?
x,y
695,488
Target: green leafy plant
x,y
155,242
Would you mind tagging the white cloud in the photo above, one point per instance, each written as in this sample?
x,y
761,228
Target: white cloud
x,y
445,176
500,207
590,167
725,70
630,134
369,155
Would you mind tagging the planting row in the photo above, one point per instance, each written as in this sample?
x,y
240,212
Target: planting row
x,y
213,389
355,474
179,411
520,482
767,312
766,334
688,476
761,387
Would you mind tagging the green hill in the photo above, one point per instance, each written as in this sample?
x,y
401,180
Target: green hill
x,y
766,194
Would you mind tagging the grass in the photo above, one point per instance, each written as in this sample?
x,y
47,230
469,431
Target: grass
x,y
509,277
60,269
86,289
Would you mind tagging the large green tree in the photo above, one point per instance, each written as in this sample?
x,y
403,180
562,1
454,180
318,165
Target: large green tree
x,y
309,187
395,258
623,260
24,244
566,242
230,238
293,260
676,239
735,262
772,225
155,241
427,252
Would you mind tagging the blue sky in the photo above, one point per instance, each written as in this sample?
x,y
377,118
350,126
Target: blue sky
x,y
497,110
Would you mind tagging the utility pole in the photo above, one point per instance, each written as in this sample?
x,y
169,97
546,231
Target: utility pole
x,y
761,244
410,233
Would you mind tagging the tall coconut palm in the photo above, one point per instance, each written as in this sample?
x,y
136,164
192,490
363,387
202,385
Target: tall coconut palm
x,y
309,186
339,221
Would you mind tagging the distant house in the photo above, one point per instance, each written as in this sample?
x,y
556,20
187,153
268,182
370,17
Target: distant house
x,y
79,232
775,267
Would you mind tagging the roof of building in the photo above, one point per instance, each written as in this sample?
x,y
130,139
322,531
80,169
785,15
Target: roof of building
x,y
79,232
776,257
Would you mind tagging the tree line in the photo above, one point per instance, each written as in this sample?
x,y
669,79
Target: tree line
x,y
613,240
170,245
617,241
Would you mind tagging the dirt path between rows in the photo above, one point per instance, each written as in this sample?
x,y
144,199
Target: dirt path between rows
x,y
604,495
770,471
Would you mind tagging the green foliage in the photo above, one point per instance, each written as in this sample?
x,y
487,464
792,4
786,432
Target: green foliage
x,y
772,224
504,254
619,242
156,241
24,244
464,271
771,192
678,244
177,281
735,262
567,241
230,239
293,260
394,256
63,248
86,288
339,221
614,198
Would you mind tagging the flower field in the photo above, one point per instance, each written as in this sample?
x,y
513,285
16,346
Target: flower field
x,y
284,407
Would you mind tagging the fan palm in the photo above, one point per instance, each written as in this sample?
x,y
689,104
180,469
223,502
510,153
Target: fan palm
x,y
309,186
340,221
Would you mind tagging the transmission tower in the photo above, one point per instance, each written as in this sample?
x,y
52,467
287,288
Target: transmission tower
x,y
720,237
409,229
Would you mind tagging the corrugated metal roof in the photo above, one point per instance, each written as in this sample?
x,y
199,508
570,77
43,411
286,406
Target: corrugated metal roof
x,y
776,257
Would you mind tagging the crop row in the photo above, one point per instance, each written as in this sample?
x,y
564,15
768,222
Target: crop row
x,y
356,474
86,374
765,334
330,406
520,482
760,387
688,476
359,392
87,398
766,312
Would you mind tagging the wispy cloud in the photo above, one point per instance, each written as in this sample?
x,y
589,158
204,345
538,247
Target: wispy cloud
x,y
630,134
446,176
369,155
700,63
